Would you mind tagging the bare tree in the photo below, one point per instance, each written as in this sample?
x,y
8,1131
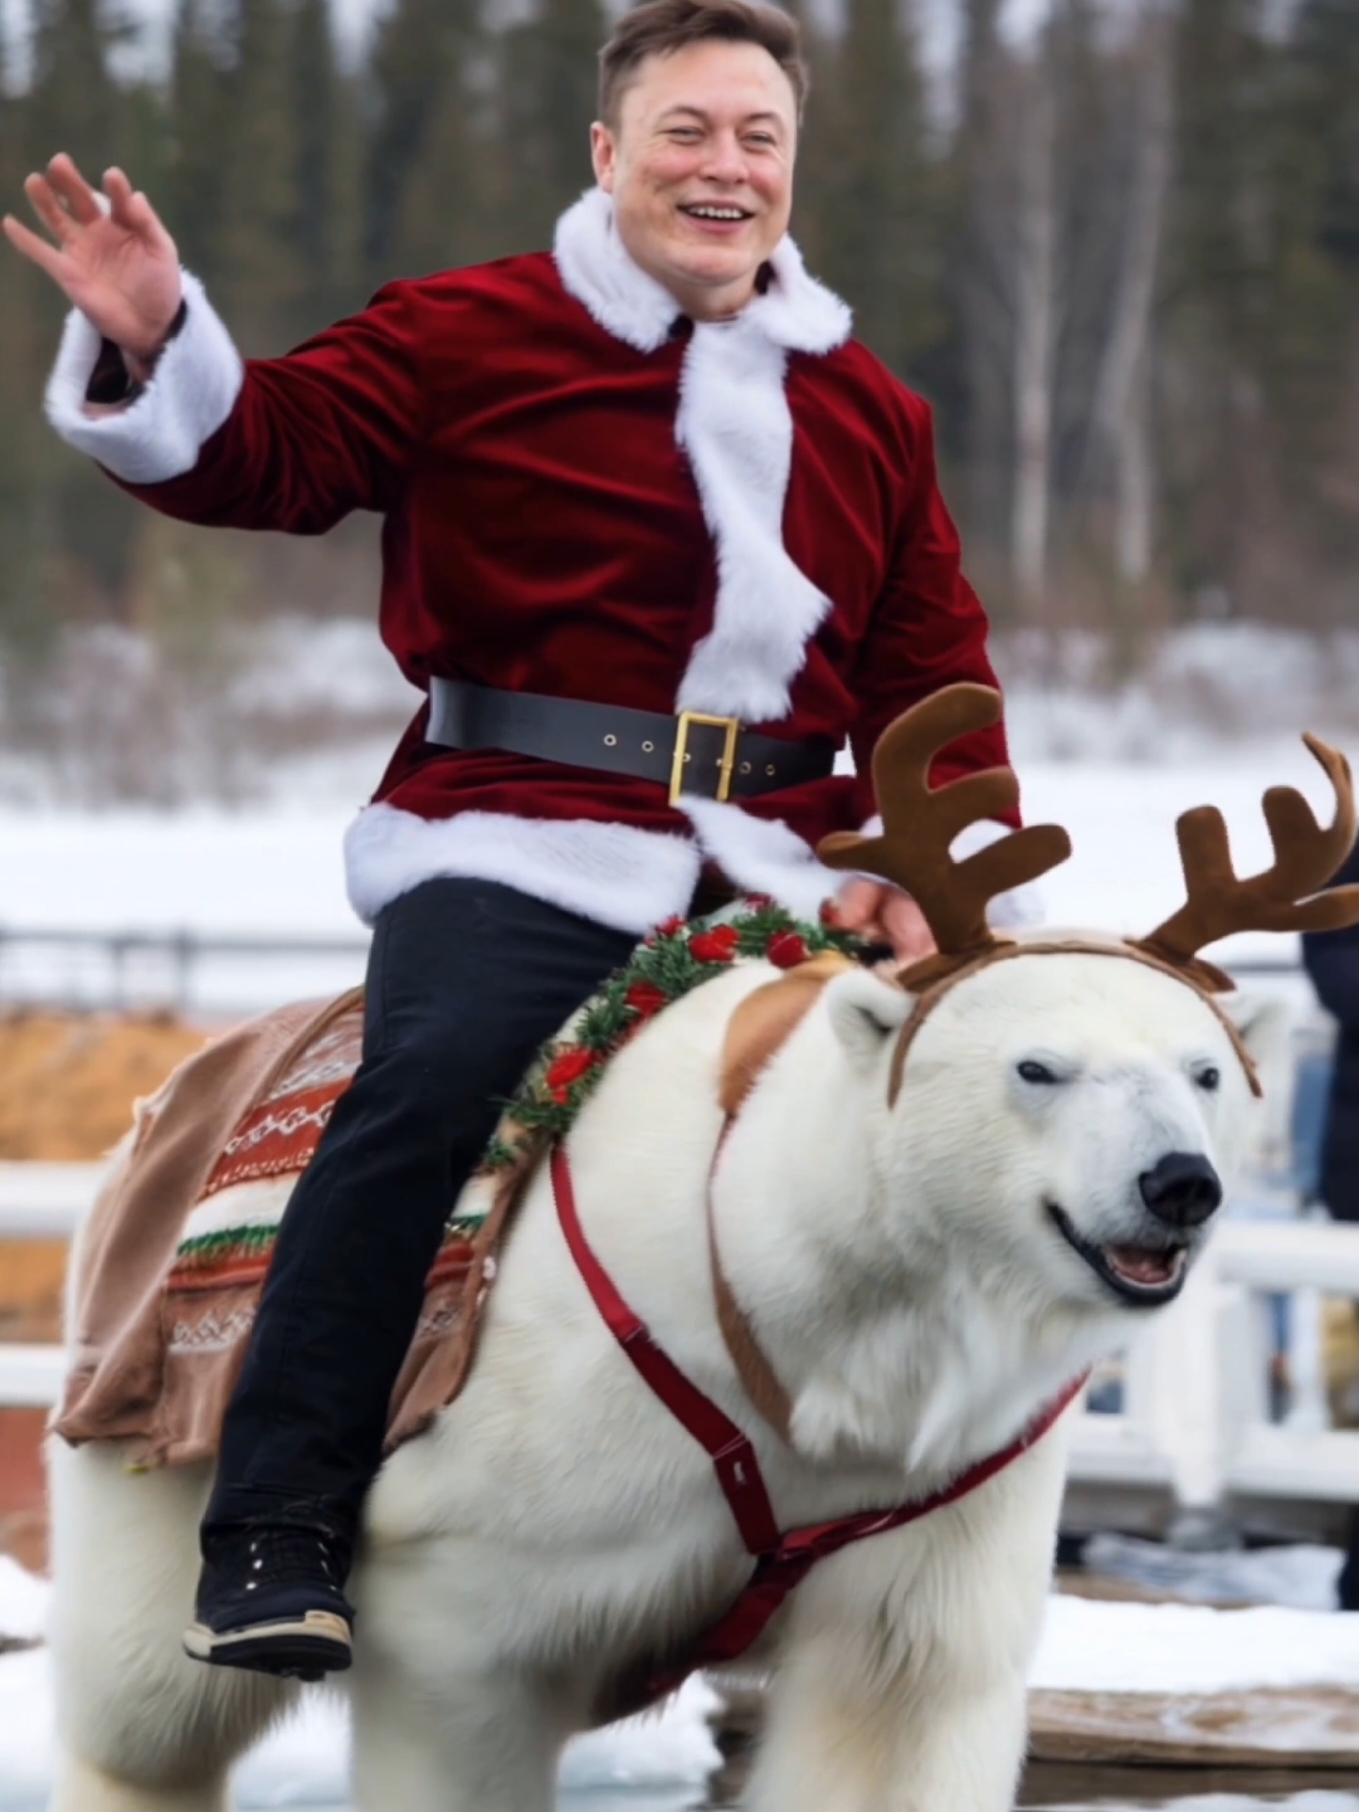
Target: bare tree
x,y
1120,427
1035,304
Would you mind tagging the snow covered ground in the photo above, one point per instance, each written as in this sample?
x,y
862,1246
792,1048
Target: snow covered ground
x,y
659,1764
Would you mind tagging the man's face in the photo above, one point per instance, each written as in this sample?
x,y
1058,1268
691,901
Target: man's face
x,y
700,167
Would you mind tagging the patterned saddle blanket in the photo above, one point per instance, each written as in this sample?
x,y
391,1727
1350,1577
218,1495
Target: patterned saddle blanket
x,y
181,1241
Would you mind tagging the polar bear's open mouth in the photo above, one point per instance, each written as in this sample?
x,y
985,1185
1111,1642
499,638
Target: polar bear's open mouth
x,y
1145,1275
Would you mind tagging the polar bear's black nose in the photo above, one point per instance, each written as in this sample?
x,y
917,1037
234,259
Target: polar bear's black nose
x,y
1182,1189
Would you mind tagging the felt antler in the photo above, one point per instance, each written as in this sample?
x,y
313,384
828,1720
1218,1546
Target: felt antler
x,y
1284,897
920,823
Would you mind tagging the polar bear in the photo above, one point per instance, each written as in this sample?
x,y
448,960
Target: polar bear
x,y
942,1199
922,1276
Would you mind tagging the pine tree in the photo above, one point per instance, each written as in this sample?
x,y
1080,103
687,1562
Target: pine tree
x,y
199,129
547,99
423,172
261,278
878,201
328,172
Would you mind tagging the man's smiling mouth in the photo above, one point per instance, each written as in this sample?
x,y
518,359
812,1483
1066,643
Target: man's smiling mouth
x,y
1146,1276
715,210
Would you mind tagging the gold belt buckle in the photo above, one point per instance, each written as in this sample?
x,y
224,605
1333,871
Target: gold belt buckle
x,y
732,726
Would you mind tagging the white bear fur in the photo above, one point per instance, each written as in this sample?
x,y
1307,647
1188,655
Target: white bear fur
x,y
901,1273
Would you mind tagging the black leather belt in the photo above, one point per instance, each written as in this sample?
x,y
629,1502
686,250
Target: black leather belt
x,y
692,754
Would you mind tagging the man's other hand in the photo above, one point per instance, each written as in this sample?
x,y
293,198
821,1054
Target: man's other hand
x,y
885,915
112,257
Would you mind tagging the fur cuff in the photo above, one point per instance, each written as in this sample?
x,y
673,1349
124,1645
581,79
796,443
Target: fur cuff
x,y
159,435
611,873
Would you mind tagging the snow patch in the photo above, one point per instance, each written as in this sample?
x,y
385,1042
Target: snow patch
x,y
1090,1646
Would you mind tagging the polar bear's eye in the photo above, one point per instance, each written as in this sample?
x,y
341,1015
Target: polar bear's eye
x,y
1033,1071
1209,1077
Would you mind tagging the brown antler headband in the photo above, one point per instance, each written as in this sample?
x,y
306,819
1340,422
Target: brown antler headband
x,y
1286,896
921,822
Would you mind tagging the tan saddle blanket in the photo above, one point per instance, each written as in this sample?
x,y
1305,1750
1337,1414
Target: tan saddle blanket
x,y
182,1235
180,1239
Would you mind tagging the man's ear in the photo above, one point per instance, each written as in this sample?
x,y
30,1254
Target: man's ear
x,y
603,155
865,1013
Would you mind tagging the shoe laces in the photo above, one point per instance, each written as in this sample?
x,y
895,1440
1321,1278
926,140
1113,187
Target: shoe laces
x,y
276,1551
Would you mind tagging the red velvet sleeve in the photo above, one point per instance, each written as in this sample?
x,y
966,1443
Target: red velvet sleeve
x,y
928,630
331,427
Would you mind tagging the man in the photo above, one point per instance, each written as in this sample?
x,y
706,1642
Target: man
x,y
649,474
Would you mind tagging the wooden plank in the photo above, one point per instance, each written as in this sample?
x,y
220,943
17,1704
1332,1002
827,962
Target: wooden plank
x,y
1299,1729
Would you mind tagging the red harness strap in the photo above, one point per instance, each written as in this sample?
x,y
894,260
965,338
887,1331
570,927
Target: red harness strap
x,y
782,1561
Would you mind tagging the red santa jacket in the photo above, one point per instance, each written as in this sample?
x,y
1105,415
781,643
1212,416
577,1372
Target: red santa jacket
x,y
585,494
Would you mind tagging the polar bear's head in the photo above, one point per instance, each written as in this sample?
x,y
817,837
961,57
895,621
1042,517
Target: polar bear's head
x,y
1066,1124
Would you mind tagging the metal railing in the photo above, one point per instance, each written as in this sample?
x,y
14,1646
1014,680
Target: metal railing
x,y
173,971
187,972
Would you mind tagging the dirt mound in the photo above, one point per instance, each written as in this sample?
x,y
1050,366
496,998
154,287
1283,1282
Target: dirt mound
x,y
68,1081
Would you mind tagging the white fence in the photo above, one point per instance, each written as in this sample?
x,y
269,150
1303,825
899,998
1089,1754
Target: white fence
x,y
1195,1418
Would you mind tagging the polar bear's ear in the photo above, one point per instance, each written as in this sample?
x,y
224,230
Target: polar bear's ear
x,y
865,1012
1265,1023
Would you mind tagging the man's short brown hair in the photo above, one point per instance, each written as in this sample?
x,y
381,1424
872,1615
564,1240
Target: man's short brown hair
x,y
658,27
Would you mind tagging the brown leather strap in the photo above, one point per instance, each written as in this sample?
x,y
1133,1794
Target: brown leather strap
x,y
761,1025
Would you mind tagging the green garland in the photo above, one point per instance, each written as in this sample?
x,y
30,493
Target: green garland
x,y
676,958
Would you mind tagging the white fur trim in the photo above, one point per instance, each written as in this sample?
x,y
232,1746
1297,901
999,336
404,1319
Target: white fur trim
x,y
762,855
595,269
159,436
735,424
612,873
736,427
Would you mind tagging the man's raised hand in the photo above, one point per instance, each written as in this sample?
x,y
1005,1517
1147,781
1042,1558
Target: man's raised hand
x,y
112,256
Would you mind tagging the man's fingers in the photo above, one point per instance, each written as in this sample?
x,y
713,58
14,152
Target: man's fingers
x,y
121,198
45,255
43,201
132,211
80,199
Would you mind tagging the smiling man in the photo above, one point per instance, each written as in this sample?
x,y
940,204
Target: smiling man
x,y
659,537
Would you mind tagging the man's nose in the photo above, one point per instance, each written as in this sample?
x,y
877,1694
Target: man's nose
x,y
726,160
1182,1189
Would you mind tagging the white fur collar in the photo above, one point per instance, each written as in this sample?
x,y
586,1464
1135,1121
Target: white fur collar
x,y
734,423
795,312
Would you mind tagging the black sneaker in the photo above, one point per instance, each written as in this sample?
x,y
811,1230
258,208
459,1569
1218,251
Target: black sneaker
x,y
269,1598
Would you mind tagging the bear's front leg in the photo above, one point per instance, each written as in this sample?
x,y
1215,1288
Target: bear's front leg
x,y
451,1745
902,1682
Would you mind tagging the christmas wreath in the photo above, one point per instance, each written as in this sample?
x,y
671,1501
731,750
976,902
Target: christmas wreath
x,y
676,958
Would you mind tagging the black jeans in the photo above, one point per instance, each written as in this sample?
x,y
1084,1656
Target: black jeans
x,y
465,980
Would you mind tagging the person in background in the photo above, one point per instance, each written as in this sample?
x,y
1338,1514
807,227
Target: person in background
x,y
1332,961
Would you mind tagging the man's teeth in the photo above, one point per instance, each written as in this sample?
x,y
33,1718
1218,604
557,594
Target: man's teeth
x,y
717,213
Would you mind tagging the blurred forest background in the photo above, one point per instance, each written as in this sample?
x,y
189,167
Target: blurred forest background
x,y
1120,253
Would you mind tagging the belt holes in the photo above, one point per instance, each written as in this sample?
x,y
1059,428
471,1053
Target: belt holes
x,y
610,742
687,756
770,770
745,767
648,748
